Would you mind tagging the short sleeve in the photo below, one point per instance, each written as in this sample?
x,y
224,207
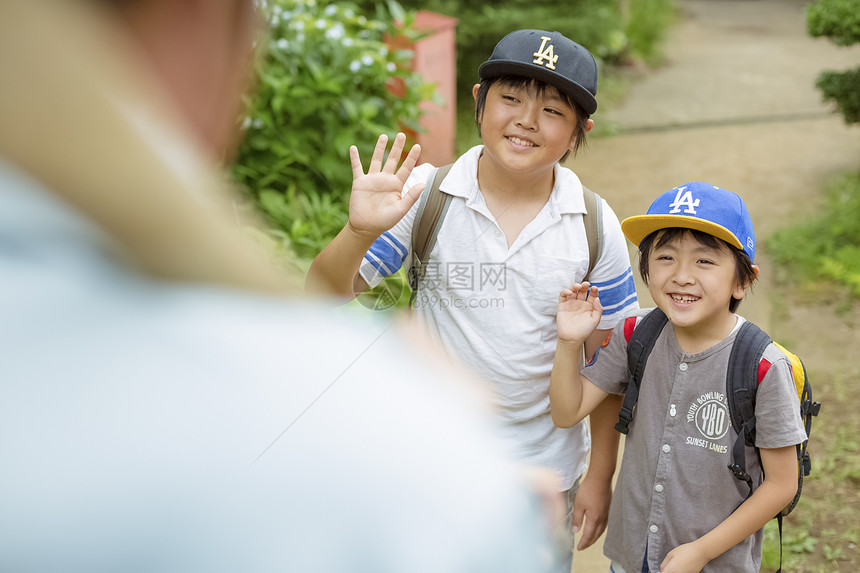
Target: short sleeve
x,y
393,248
612,274
608,368
777,409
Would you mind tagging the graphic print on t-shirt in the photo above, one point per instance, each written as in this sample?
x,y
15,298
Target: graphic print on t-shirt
x,y
709,415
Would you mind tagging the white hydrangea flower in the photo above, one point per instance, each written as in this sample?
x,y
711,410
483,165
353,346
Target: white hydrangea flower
x,y
367,60
348,42
283,44
321,24
390,66
335,32
354,66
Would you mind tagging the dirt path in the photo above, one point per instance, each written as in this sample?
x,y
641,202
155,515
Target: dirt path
x,y
736,106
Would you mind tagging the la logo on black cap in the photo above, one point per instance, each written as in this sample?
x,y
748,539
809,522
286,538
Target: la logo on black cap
x,y
545,53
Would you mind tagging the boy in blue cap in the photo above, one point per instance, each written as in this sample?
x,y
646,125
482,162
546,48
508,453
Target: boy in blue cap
x,y
676,507
512,237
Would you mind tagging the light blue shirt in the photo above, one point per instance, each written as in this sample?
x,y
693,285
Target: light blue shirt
x,y
149,426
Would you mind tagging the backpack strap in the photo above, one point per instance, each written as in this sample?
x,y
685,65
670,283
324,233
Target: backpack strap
x,y
639,347
593,221
741,387
432,207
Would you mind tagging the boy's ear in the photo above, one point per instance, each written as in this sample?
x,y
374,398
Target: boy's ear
x,y
475,92
740,290
588,125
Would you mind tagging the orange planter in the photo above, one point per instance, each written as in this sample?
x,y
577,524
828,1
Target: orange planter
x,y
435,60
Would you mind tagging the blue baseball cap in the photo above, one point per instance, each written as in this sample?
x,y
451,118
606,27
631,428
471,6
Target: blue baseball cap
x,y
548,57
700,206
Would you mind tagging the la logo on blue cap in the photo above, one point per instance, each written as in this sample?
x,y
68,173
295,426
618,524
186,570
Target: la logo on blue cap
x,y
684,198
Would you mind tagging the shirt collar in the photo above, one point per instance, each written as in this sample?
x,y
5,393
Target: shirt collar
x,y
566,194
462,181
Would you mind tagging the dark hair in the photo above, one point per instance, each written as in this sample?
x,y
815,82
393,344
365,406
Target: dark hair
x,y
538,88
745,274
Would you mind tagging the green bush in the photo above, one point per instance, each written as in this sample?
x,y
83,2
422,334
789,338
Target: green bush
x,y
646,27
827,248
838,20
842,88
324,83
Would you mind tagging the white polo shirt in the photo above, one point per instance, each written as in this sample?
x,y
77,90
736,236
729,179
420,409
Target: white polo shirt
x,y
494,307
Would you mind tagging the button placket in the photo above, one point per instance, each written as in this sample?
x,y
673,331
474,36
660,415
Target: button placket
x,y
672,423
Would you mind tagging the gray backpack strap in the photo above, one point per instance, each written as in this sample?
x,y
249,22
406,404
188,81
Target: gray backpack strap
x,y
428,219
593,220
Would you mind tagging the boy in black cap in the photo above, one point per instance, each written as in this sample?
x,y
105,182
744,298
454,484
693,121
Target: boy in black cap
x,y
513,236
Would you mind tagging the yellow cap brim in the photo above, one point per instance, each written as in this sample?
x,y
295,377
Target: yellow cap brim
x,y
638,227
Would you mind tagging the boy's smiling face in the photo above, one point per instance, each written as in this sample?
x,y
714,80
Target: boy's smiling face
x,y
693,284
526,130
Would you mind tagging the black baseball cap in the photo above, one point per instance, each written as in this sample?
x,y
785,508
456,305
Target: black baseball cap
x,y
548,57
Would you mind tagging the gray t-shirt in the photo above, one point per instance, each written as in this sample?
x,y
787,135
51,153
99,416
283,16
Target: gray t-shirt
x,y
674,485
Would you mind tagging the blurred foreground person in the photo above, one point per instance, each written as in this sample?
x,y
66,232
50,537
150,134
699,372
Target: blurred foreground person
x,y
163,406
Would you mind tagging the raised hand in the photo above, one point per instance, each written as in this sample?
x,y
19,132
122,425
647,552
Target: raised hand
x,y
376,204
579,312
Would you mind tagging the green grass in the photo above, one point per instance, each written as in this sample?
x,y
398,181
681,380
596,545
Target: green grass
x,y
822,534
825,251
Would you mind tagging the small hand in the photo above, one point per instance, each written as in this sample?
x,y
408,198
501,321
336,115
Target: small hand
x,y
579,312
591,505
685,558
376,203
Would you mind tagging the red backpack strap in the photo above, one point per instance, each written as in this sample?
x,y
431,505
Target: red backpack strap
x,y
629,327
763,367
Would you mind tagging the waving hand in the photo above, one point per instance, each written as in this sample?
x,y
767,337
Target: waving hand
x,y
377,203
